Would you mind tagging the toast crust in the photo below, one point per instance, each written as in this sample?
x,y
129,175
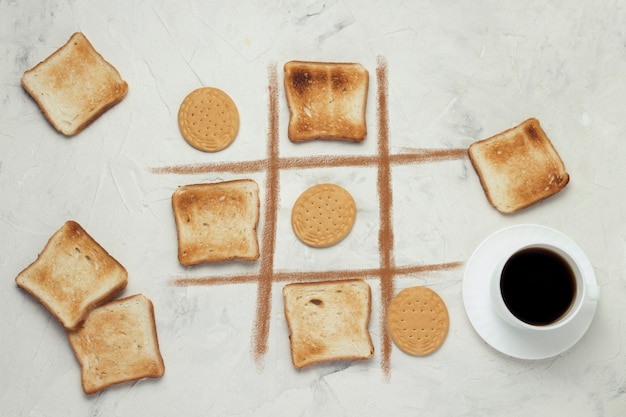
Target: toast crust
x,y
217,222
74,85
326,100
118,343
328,321
72,275
518,167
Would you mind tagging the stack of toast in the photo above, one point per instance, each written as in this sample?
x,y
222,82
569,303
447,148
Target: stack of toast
x,y
76,280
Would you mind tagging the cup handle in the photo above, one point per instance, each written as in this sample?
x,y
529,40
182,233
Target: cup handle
x,y
593,292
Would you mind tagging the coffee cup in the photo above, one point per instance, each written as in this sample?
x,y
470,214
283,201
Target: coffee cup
x,y
540,287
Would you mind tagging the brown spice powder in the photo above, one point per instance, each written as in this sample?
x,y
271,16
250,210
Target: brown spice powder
x,y
268,241
385,198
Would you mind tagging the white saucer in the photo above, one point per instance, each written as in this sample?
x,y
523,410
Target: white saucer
x,y
512,341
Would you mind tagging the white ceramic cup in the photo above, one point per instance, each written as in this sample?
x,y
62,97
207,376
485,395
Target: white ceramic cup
x,y
583,290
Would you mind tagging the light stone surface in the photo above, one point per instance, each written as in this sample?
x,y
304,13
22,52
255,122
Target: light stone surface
x,y
457,72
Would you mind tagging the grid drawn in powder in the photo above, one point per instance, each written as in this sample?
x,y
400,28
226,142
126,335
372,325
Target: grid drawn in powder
x,y
272,165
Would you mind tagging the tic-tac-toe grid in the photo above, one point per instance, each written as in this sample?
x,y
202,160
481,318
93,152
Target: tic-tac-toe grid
x,y
273,165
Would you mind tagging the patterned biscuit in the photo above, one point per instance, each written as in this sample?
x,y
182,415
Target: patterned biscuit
x,y
208,119
323,215
418,320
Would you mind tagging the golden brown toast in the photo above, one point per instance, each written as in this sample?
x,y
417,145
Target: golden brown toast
x,y
117,343
74,85
217,221
328,321
72,275
518,167
326,100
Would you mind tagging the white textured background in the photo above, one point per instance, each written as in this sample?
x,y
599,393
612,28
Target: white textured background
x,y
458,72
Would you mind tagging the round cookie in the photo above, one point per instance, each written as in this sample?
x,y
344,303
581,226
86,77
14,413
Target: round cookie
x,y
418,320
323,215
208,119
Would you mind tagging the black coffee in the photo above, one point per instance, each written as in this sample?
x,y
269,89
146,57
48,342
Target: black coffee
x,y
538,286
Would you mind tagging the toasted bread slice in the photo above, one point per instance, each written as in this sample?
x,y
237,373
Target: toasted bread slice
x,y
328,321
326,100
72,275
518,167
217,221
117,343
74,85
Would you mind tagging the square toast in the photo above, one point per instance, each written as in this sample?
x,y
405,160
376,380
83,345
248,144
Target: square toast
x,y
117,343
217,221
74,85
326,100
518,167
328,321
72,275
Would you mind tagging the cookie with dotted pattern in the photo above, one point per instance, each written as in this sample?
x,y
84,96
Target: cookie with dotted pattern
x,y
323,215
208,119
418,320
